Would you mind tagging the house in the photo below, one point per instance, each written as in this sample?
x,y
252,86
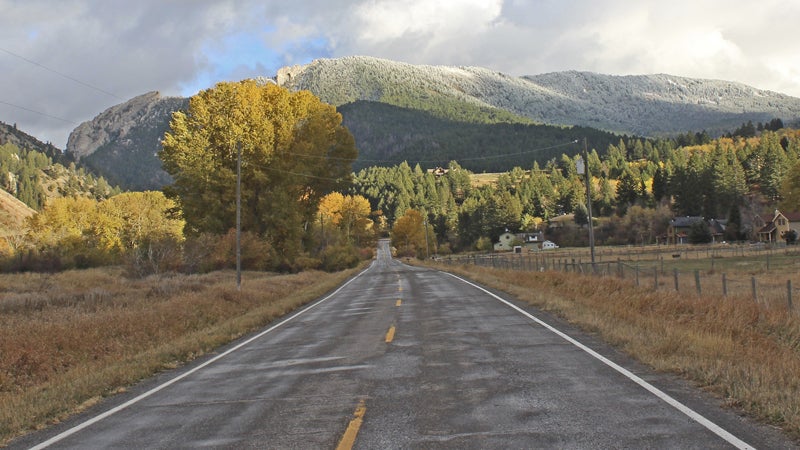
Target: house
x,y
717,229
531,241
506,242
777,224
562,221
680,227
678,231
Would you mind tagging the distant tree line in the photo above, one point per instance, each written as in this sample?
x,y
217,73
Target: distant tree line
x,y
637,186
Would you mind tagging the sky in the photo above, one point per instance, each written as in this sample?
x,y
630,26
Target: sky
x,y
64,62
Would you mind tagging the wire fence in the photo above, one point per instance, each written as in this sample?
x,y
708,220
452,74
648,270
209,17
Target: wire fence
x,y
754,273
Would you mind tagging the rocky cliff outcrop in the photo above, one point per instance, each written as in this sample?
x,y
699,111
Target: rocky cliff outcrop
x,y
122,142
116,123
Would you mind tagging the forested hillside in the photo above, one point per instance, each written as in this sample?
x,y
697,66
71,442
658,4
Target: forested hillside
x,y
33,177
9,134
388,135
637,187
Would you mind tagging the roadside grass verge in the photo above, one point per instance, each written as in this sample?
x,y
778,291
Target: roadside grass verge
x,y
69,339
746,354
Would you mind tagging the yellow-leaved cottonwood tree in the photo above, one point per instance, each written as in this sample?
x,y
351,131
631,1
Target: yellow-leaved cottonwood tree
x,y
77,227
294,150
347,213
409,234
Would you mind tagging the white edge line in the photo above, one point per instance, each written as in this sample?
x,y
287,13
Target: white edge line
x,y
98,418
697,417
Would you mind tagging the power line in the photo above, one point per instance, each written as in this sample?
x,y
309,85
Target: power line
x,y
501,155
305,175
30,61
263,167
38,112
527,152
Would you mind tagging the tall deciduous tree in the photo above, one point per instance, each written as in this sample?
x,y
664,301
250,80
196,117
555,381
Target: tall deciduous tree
x,y
348,213
294,150
409,234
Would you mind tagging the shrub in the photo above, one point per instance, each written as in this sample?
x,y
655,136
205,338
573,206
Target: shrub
x,y
339,257
154,257
303,262
484,244
208,252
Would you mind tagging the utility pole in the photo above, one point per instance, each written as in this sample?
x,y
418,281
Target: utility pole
x,y
427,247
238,216
589,199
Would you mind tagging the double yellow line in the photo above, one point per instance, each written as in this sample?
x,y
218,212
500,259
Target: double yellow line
x,y
350,434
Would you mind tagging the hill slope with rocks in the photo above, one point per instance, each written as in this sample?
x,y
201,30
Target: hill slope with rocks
x,y
121,143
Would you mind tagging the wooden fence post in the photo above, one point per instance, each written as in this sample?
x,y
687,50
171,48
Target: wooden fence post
x,y
697,281
724,285
655,278
675,275
789,293
755,292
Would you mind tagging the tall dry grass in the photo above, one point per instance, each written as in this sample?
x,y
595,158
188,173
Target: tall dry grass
x,y
747,354
68,339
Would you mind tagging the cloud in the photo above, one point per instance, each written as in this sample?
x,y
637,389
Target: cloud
x,y
177,47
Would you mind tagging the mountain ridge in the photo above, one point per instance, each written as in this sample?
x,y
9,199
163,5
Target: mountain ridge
x,y
122,142
664,104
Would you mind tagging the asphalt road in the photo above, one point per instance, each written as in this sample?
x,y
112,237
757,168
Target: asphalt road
x,y
404,357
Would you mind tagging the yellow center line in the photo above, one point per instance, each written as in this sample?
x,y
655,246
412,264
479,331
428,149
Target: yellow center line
x,y
399,302
349,437
390,334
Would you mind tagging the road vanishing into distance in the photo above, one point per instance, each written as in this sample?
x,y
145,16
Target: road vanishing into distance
x,y
407,357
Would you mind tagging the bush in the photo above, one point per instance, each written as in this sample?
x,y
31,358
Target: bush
x,y
208,252
444,249
339,257
484,244
155,257
302,263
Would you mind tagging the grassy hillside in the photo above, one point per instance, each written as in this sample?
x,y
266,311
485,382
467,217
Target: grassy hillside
x,y
12,214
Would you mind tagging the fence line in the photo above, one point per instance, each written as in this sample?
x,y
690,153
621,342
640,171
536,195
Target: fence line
x,y
653,272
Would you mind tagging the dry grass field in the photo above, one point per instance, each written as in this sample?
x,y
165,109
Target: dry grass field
x,y
68,339
757,273
745,352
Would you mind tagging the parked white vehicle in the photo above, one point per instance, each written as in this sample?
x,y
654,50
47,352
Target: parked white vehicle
x,y
549,245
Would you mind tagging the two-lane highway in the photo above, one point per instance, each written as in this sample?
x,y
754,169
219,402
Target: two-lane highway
x,y
401,357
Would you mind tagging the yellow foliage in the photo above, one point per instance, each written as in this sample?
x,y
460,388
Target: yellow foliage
x,y
349,213
121,223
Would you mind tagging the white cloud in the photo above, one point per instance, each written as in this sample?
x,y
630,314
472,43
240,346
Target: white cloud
x,y
392,20
128,48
